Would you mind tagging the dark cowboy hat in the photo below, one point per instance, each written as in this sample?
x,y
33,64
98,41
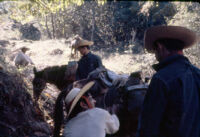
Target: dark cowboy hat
x,y
175,32
24,49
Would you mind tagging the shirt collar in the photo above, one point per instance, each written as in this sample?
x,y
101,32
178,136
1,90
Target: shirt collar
x,y
169,60
87,54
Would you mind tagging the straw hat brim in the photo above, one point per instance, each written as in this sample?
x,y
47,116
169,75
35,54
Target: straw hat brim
x,y
71,95
80,94
176,32
83,42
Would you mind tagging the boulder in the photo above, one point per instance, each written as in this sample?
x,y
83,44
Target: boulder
x,y
30,32
19,116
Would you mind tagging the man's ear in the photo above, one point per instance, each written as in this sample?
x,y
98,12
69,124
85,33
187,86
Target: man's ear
x,y
83,105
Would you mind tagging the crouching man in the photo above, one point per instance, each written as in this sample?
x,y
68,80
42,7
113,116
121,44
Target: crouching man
x,y
84,119
21,59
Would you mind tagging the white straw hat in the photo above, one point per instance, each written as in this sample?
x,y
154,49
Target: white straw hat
x,y
71,95
79,95
78,42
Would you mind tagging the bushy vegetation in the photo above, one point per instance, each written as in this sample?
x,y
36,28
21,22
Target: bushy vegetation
x,y
116,25
107,23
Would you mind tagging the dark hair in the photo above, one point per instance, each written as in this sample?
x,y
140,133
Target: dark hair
x,y
170,44
87,47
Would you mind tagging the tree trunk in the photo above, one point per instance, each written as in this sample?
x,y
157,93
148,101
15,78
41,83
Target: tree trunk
x,y
47,28
93,23
64,19
53,25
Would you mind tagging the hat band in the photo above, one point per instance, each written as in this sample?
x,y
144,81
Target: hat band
x,y
87,101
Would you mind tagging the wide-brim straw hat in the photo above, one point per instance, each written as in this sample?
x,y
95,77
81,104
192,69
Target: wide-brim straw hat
x,y
79,95
78,42
175,32
71,95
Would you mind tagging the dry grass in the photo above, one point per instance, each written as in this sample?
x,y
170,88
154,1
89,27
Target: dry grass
x,y
40,53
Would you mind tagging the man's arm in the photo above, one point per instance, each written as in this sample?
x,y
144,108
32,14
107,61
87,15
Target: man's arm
x,y
111,123
78,73
99,62
153,109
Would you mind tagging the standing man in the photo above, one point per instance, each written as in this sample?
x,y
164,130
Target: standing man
x,y
88,61
172,104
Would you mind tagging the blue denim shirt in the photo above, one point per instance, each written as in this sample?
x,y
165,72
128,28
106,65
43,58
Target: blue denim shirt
x,y
172,104
87,64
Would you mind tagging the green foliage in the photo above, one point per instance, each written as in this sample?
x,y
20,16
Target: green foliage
x,y
26,10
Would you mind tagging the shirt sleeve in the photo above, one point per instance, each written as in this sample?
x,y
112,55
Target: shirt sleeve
x,y
153,109
111,123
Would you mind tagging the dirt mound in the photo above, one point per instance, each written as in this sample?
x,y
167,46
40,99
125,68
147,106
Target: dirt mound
x,y
18,115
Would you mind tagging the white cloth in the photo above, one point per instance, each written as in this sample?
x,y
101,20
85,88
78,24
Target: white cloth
x,y
94,122
22,59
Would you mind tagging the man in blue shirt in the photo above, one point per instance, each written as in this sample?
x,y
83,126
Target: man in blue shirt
x,y
172,104
88,61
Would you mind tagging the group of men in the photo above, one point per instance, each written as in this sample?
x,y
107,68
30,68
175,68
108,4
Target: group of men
x,y
171,106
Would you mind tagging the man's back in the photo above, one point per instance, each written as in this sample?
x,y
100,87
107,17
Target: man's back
x,y
87,64
175,91
22,59
94,122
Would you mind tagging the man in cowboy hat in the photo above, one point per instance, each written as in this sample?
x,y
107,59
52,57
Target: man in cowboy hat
x,y
172,104
84,120
88,61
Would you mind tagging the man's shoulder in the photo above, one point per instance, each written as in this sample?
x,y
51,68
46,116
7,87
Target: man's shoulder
x,y
98,110
173,72
94,113
20,53
94,55
167,74
197,70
